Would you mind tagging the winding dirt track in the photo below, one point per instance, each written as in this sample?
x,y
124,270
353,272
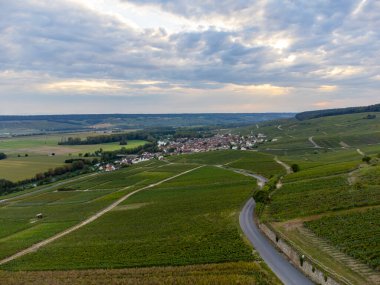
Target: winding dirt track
x,y
311,140
283,164
37,246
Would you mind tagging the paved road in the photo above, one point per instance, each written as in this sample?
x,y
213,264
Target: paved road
x,y
284,270
37,246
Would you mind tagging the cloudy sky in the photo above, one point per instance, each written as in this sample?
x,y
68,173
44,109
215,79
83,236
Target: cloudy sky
x,y
161,56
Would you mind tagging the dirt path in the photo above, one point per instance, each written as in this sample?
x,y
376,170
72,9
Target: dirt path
x,y
314,143
360,152
46,188
344,145
283,164
37,246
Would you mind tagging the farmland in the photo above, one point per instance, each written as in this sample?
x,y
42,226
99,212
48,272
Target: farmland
x,y
33,154
245,273
323,208
355,234
190,222
62,209
248,160
197,224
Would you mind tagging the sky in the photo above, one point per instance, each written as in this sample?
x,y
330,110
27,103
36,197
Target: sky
x,y
161,56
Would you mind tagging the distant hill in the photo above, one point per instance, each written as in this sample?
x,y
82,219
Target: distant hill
x,y
19,125
334,112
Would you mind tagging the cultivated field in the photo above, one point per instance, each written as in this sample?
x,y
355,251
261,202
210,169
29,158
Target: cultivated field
x,y
329,209
244,273
189,220
62,209
39,150
253,161
356,234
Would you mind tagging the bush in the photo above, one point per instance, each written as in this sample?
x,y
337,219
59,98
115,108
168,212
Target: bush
x,y
366,159
295,167
2,156
261,196
66,189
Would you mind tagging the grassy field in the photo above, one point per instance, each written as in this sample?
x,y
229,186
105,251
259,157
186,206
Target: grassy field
x,y
197,223
39,150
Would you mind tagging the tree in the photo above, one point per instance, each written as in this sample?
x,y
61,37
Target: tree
x,y
2,156
366,159
295,167
261,196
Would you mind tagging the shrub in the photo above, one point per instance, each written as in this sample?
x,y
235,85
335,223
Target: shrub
x,y
366,159
261,196
2,156
295,167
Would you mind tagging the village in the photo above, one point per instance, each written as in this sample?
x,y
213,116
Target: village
x,y
172,146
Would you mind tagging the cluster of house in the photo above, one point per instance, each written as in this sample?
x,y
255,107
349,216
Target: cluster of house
x,y
188,145
217,142
128,160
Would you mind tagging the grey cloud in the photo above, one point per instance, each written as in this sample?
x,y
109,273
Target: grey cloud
x,y
62,40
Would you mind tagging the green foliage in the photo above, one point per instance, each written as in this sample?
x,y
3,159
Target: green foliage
x,y
62,209
322,171
189,220
242,273
2,156
356,234
295,167
335,112
366,159
315,196
370,117
6,186
261,196
256,162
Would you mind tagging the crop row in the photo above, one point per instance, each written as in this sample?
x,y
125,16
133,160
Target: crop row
x,y
356,234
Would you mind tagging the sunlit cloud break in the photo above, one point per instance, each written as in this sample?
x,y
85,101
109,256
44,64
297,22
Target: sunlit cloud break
x,y
193,56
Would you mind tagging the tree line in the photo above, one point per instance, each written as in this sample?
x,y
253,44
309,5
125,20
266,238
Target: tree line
x,y
53,174
334,112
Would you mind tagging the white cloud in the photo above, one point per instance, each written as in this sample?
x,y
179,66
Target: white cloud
x,y
230,53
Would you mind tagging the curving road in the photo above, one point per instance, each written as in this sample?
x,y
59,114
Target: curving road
x,y
284,270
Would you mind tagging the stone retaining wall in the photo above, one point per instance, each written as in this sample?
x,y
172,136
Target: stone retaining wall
x,y
307,267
